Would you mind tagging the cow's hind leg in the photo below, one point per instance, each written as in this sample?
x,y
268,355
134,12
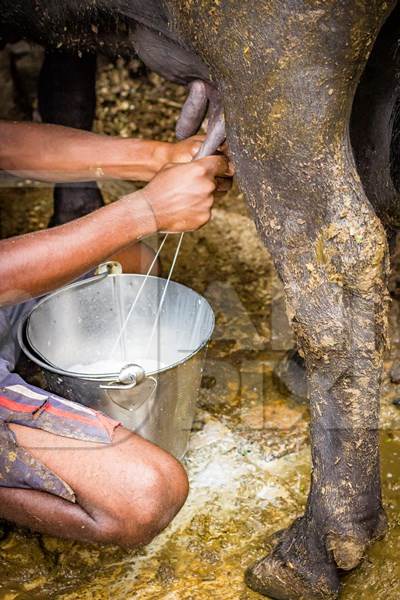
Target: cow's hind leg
x,y
287,123
375,125
67,96
375,139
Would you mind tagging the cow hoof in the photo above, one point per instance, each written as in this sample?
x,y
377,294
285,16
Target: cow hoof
x,y
296,568
348,551
280,580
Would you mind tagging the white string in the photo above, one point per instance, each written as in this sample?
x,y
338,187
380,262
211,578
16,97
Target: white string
x,y
157,317
124,326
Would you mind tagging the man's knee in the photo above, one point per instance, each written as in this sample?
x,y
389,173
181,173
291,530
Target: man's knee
x,y
142,510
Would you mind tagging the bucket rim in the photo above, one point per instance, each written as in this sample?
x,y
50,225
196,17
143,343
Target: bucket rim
x,y
43,361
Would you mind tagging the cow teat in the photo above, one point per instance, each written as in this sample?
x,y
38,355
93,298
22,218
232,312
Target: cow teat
x,y
201,95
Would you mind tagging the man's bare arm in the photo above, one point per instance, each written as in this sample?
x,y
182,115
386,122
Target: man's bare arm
x,y
58,154
38,262
178,199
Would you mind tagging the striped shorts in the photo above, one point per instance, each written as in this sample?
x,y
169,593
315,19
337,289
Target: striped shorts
x,y
28,405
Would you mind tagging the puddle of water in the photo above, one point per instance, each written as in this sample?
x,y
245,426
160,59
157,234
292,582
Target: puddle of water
x,y
207,557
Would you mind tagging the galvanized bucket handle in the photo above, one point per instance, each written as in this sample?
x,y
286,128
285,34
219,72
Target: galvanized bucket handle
x,y
129,377
111,267
130,404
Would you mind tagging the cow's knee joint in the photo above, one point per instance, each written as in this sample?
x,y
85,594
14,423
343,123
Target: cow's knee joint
x,y
356,254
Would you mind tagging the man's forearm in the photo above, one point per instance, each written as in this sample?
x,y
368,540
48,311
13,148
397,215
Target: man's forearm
x,y
57,154
39,262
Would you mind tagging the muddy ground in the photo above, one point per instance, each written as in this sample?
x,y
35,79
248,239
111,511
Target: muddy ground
x,y
249,456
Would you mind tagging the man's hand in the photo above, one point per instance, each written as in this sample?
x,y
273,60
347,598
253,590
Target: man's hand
x,y
178,152
182,152
181,196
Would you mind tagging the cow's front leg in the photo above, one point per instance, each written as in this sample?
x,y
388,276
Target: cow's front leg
x,y
288,76
67,96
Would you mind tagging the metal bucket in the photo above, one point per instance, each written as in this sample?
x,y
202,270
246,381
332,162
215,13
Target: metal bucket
x,y
80,324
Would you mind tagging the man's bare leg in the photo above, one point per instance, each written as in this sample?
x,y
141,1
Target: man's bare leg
x,y
127,492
